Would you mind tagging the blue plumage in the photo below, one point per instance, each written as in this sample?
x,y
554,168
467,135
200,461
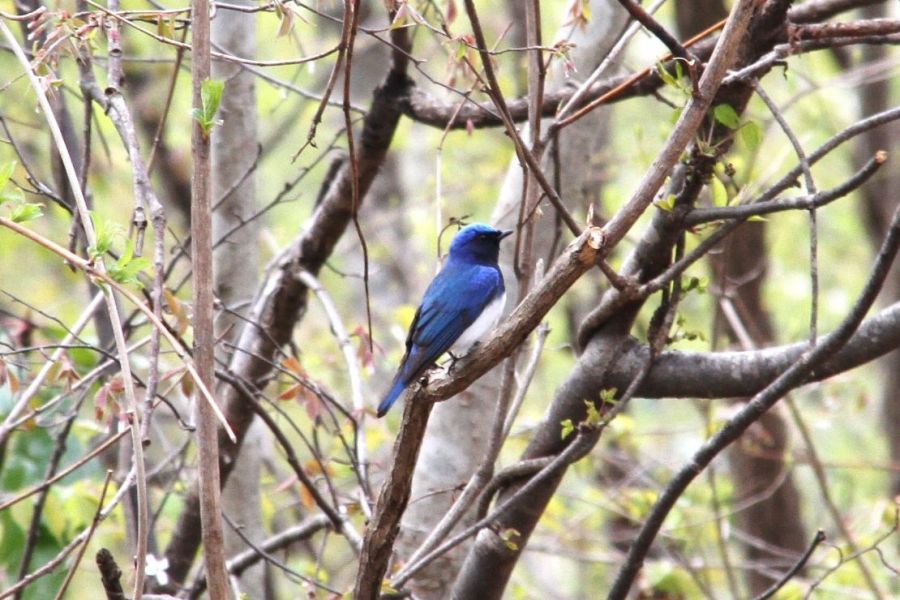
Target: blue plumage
x,y
463,302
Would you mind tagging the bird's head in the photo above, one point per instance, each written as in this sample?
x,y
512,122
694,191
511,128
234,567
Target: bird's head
x,y
477,243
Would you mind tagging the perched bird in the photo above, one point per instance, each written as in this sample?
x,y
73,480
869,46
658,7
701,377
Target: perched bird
x,y
462,303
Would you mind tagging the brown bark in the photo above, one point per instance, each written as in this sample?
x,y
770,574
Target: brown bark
x,y
204,334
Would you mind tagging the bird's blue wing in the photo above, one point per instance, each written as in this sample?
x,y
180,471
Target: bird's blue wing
x,y
452,302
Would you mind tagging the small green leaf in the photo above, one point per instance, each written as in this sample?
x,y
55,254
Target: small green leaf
x,y
608,396
26,212
667,77
104,235
14,194
401,17
211,91
165,27
567,428
128,254
727,116
127,268
718,191
751,134
758,218
593,415
695,283
6,172
676,114
667,203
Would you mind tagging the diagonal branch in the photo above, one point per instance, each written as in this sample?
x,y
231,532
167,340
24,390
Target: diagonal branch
x,y
763,401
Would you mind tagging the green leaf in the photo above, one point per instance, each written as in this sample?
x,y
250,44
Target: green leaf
x,y
608,396
695,283
667,203
718,191
127,268
12,195
676,114
211,91
104,235
26,212
593,415
128,254
508,537
727,116
667,77
751,134
567,428
6,172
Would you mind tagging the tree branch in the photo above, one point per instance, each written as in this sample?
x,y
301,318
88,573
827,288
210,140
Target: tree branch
x,y
699,216
680,374
281,300
805,365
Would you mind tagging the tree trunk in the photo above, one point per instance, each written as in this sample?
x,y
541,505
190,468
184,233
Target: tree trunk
x,y
234,155
458,431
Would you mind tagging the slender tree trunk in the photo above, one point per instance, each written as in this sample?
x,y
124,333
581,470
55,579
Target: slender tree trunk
x,y
236,259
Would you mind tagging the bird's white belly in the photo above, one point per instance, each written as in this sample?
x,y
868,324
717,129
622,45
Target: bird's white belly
x,y
485,322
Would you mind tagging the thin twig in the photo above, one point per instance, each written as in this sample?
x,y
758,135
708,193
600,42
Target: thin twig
x,y
813,225
644,18
94,522
90,268
36,383
751,412
112,309
792,572
71,468
741,212
356,391
212,530
497,96
825,491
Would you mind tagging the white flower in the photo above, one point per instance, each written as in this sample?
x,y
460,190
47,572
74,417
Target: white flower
x,y
157,568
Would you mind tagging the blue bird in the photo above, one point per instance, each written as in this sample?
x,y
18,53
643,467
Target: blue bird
x,y
462,303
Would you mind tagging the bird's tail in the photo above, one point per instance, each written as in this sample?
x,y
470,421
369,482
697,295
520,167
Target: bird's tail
x,y
388,401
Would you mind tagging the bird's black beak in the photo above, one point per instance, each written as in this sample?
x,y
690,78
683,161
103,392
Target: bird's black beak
x,y
504,234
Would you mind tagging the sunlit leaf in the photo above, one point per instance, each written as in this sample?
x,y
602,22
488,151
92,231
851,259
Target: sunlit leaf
x,y
727,116
26,211
751,134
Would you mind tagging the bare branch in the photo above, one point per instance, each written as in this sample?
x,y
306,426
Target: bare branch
x,y
806,364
